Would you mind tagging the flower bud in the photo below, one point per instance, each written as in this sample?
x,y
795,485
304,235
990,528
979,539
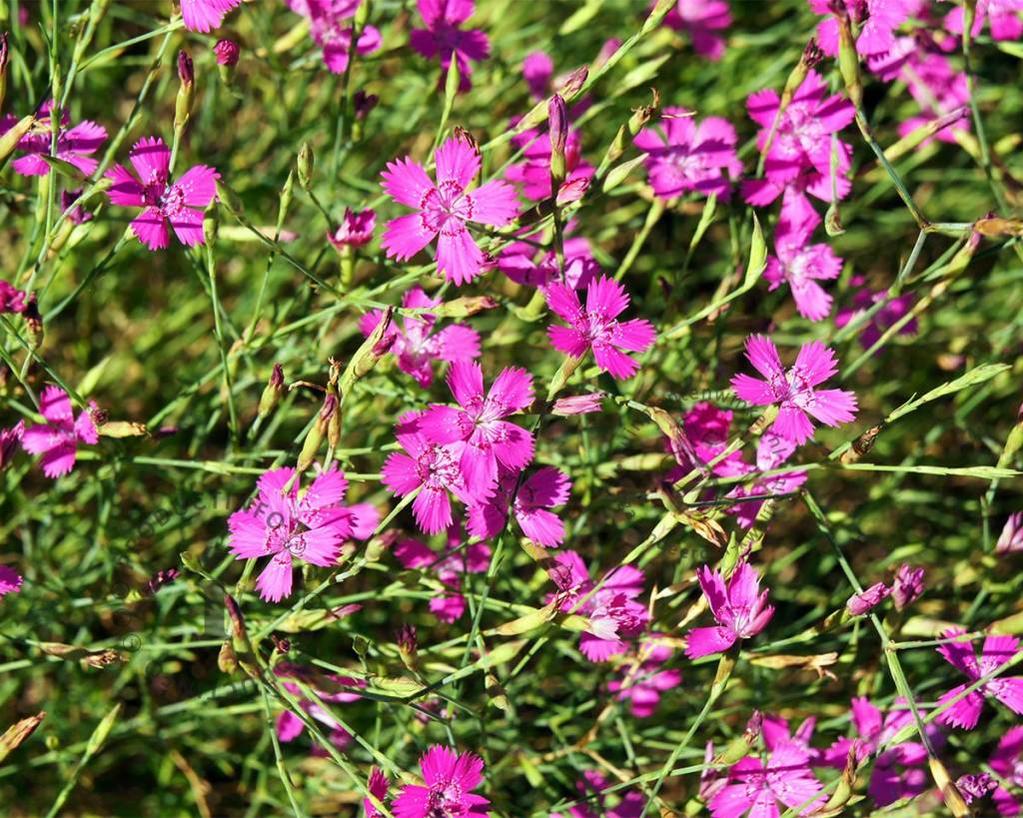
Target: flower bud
x,y
3,67
578,404
210,223
314,438
408,646
557,118
849,59
186,91
363,103
227,53
272,392
306,161
865,601
574,82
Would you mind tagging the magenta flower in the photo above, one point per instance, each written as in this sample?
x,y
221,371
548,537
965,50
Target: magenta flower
x,y
801,265
327,27
899,771
1001,15
449,780
938,89
10,441
226,52
179,204
443,38
755,787
643,687
57,440
597,805
892,311
285,527
521,263
683,156
740,609
794,390
800,153
596,327
377,785
74,145
877,21
533,173
996,652
1011,538
449,568
704,21
613,611
356,229
868,599
206,15
444,208
75,214
777,732
537,70
328,688
432,469
1007,762
773,451
12,300
539,493
10,580
416,346
907,586
488,440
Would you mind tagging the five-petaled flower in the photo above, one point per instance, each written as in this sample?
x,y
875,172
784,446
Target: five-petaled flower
x,y
287,525
755,786
543,490
794,390
57,440
74,145
739,607
450,780
443,38
179,204
597,326
443,209
997,651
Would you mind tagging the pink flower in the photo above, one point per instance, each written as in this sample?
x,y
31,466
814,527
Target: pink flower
x,y
206,15
449,780
596,805
1011,538
794,390
996,652
10,440
773,451
74,145
57,440
377,785
755,787
740,609
444,208
868,599
286,527
643,686
578,404
12,300
442,37
537,69
227,52
355,230
540,492
613,611
777,732
1007,762
683,156
1001,15
877,21
907,586
938,89
800,153
519,262
976,787
449,568
704,21
289,726
892,311
179,204
534,172
327,28
415,348
596,327
10,580
801,265
77,215
488,439
899,771
431,468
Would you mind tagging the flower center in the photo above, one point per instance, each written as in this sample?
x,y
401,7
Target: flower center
x,y
446,208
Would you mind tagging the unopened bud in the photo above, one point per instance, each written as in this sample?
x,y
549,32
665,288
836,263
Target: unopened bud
x,y
227,661
865,601
557,118
272,392
4,58
849,59
361,17
363,103
186,91
574,82
210,223
408,646
186,70
227,53
306,161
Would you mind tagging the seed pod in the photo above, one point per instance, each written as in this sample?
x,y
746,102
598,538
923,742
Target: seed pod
x,y
272,392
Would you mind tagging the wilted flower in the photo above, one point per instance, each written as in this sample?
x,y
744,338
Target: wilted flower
x,y
578,404
907,587
57,440
449,780
865,601
10,440
1011,538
